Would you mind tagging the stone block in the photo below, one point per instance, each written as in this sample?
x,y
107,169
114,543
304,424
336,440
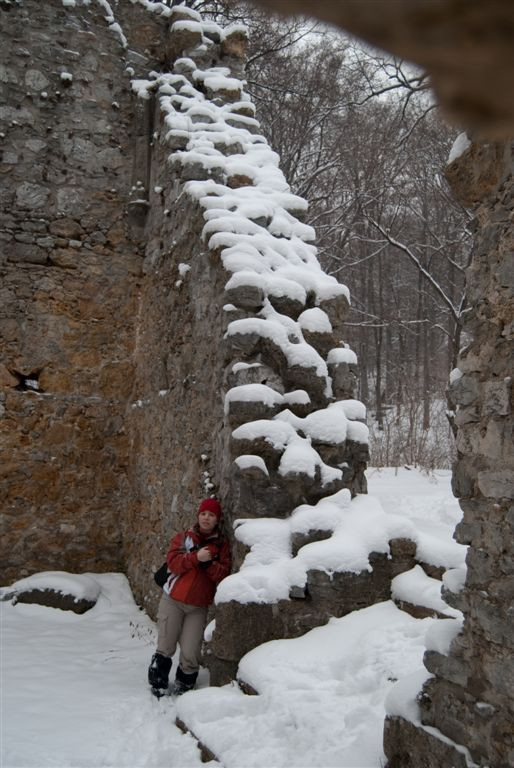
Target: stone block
x,y
6,377
302,488
496,625
234,44
458,600
451,669
241,627
31,196
286,305
408,745
496,484
223,95
340,593
238,180
249,297
253,373
53,599
221,671
64,257
344,379
302,377
337,309
259,446
333,454
240,412
478,173
481,567
465,390
447,706
464,478
254,494
299,540
182,39
497,397
322,342
27,253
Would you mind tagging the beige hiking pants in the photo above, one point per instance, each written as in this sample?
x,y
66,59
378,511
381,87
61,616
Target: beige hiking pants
x,y
184,624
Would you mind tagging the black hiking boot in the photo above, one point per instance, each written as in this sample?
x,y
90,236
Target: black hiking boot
x,y
183,682
158,673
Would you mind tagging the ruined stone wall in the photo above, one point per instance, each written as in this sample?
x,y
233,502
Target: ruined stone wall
x,y
110,366
124,389
229,334
114,366
468,699
176,411
70,272
465,711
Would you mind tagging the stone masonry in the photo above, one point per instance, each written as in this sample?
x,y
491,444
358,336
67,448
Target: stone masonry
x,y
466,708
468,698
126,365
70,275
130,356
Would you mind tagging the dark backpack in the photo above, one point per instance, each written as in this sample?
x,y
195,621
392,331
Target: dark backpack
x,y
161,575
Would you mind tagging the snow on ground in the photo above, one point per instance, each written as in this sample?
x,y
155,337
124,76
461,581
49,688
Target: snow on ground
x,y
75,693
74,687
426,501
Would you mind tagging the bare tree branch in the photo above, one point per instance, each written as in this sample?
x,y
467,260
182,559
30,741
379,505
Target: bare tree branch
x,y
414,259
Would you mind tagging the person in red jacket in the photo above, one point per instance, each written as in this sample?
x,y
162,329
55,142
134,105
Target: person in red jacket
x,y
198,559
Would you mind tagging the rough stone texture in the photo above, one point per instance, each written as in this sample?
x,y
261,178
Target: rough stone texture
x,y
69,272
96,338
113,367
89,274
239,628
54,599
176,415
470,698
464,46
407,746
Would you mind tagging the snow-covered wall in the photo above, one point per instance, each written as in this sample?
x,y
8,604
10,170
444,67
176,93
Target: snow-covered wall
x,y
255,382
467,701
182,337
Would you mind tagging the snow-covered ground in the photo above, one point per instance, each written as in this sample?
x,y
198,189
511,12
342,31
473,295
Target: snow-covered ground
x,y
74,689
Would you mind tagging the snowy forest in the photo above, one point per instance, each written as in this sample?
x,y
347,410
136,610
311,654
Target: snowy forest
x,y
360,138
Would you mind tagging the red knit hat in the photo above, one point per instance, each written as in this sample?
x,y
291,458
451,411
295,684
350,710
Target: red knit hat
x,y
212,505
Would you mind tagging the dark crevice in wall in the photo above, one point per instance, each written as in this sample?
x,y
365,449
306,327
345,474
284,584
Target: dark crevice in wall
x,y
27,382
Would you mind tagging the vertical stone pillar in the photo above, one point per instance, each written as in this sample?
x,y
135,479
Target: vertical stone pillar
x,y
466,708
69,270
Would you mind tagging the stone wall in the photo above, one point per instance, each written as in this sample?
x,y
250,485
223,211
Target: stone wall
x,y
228,335
468,698
125,368
111,361
175,417
70,273
115,372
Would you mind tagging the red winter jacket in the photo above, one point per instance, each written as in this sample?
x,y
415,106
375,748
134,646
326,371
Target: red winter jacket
x,y
191,581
